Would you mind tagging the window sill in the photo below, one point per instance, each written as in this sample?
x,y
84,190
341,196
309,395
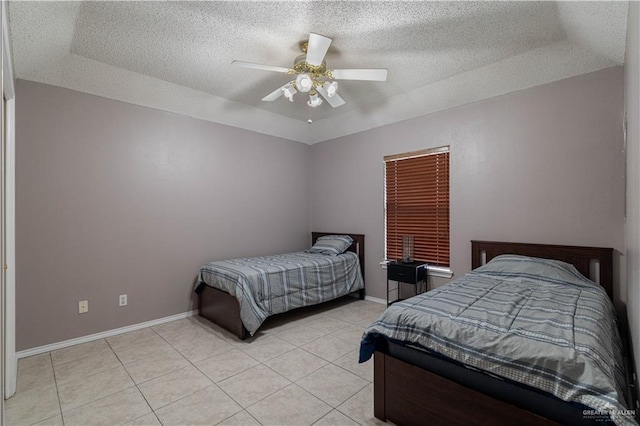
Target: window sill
x,y
434,271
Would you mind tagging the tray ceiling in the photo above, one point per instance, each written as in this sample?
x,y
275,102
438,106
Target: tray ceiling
x,y
176,56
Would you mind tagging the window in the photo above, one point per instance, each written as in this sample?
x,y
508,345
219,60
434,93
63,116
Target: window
x,y
417,204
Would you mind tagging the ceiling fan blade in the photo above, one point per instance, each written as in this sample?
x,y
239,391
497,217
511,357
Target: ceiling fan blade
x,y
335,100
259,66
317,48
379,74
274,95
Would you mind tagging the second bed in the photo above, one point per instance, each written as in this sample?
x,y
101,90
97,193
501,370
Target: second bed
x,y
239,294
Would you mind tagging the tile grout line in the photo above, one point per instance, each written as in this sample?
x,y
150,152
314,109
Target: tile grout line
x,y
55,381
162,375
305,390
201,372
133,381
222,390
267,366
263,363
91,375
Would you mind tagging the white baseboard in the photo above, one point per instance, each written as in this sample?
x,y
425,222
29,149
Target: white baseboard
x,y
102,335
97,336
375,300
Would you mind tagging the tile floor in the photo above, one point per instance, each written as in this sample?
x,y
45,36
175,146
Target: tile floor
x,y
301,368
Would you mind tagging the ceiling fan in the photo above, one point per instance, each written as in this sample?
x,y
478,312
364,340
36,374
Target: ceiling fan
x,y
312,75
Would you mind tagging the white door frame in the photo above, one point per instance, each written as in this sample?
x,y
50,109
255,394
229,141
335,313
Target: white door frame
x,y
10,367
2,275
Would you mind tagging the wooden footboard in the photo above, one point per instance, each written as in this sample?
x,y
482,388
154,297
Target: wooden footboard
x,y
408,395
223,309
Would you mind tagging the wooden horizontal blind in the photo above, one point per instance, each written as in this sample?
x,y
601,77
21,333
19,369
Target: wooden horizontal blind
x,y
417,204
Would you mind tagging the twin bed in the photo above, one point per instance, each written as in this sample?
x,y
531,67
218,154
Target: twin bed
x,y
520,340
239,294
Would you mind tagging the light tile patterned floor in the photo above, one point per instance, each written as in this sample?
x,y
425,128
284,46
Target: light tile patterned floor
x,y
301,368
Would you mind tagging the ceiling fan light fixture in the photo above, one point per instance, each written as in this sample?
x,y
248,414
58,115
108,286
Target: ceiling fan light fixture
x,y
312,76
304,83
331,87
289,90
314,100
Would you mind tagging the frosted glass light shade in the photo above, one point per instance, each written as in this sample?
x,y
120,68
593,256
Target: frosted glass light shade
x,y
304,82
289,91
314,100
331,88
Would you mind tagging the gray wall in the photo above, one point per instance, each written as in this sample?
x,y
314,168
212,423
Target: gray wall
x,y
113,198
632,226
540,165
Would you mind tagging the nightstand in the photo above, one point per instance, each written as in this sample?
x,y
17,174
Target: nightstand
x,y
414,273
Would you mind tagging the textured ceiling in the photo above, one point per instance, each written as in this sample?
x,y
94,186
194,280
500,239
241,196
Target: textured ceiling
x,y
176,56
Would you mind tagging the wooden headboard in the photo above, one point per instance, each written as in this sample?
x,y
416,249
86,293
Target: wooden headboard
x,y
357,247
580,257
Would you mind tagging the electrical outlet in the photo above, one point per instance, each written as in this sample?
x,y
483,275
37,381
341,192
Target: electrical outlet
x,y
123,300
83,306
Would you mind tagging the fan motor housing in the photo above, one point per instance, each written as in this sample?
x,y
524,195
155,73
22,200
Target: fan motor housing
x,y
300,66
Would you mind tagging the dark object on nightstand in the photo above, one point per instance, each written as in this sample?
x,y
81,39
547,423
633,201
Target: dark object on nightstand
x,y
414,273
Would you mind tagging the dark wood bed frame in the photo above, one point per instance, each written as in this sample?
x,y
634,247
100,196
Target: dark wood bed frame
x,y
223,309
406,394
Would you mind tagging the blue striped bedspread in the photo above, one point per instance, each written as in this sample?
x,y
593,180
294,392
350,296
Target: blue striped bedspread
x,y
270,285
532,321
